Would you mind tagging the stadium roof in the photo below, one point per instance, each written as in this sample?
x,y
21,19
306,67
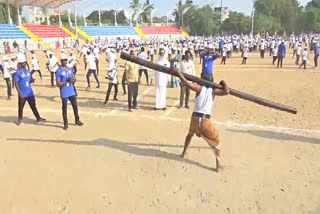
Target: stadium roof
x,y
37,3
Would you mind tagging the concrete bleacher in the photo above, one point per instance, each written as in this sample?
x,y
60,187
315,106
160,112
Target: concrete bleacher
x,y
108,30
170,29
46,31
8,31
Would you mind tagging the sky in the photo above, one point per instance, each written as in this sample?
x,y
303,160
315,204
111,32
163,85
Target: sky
x,y
162,6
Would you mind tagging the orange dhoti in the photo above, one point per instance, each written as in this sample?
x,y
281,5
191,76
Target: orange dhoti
x,y
204,128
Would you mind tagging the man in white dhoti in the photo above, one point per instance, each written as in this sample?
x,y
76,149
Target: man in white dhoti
x,y
161,81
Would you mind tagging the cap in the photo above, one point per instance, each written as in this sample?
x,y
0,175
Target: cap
x,y
63,57
71,51
4,58
22,59
13,57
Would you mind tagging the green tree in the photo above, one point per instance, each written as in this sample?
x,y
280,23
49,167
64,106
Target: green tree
x,y
136,7
146,11
107,17
237,23
13,13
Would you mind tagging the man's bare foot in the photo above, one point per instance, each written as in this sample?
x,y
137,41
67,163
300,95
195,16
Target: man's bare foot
x,y
219,169
184,154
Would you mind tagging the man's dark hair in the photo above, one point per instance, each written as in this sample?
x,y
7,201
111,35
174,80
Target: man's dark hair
x,y
142,49
187,52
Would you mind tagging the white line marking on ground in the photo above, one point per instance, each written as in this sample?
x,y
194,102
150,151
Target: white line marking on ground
x,y
145,92
228,124
172,108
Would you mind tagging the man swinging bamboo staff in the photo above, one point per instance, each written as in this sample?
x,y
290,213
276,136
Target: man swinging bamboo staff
x,y
201,124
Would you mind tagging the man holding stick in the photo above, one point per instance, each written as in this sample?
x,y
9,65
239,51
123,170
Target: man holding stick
x,y
200,123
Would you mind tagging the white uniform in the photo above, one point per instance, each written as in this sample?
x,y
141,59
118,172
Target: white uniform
x,y
204,101
92,62
112,60
142,55
161,80
6,68
52,64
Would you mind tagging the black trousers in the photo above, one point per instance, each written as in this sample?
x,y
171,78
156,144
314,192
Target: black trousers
x,y
224,58
109,91
13,81
145,71
32,103
316,56
274,59
184,92
74,104
280,60
38,71
298,58
123,82
75,70
1,68
208,77
52,78
304,64
97,64
244,60
94,72
8,86
151,58
261,53
132,94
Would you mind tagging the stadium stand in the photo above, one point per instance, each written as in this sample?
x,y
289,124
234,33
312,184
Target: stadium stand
x,y
8,31
170,29
108,30
46,31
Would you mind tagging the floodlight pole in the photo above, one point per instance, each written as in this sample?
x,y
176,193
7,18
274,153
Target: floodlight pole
x,y
221,13
75,18
252,17
60,23
100,18
34,15
19,16
69,17
115,18
9,16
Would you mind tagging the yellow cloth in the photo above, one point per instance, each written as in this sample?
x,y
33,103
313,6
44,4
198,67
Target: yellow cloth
x,y
132,71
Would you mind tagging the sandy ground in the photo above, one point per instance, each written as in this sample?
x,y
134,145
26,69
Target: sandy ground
x,y
121,162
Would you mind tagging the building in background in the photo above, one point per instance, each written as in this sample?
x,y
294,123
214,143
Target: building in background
x,y
225,12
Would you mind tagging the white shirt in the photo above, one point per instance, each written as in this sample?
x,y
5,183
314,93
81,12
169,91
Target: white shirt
x,y
96,53
113,73
52,64
305,55
14,65
204,101
299,51
142,55
92,62
6,72
245,53
187,67
72,61
275,52
112,60
161,79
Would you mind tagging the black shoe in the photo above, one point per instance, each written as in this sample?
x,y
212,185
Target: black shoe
x,y
98,86
105,102
79,123
115,99
187,107
41,120
19,122
88,87
65,127
129,110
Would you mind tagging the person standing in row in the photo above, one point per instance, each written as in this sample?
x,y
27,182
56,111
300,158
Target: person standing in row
x,y
91,59
281,53
245,54
316,54
96,55
275,54
72,60
132,78
65,81
6,75
14,67
298,52
208,58
113,82
35,66
25,92
143,69
304,58
161,81
53,66
187,67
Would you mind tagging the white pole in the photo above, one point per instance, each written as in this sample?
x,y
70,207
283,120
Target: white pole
x,y
252,18
75,18
167,19
34,15
9,16
69,17
60,23
115,18
19,16
48,19
100,18
151,18
84,18
221,12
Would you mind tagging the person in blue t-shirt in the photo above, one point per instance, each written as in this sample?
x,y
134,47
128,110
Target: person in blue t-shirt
x,y
316,53
23,81
65,81
208,58
221,46
281,53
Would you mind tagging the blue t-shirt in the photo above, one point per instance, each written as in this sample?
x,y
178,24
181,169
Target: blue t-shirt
x,y
221,44
282,49
207,62
23,77
316,49
63,75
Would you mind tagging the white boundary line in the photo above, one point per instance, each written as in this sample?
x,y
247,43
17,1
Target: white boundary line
x,y
228,124
172,108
